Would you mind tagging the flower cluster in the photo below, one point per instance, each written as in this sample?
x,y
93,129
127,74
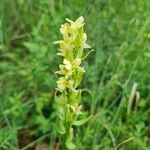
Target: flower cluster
x,y
71,48
70,74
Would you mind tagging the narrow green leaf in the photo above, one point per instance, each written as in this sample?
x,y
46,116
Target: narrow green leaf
x,y
70,145
82,121
147,54
61,128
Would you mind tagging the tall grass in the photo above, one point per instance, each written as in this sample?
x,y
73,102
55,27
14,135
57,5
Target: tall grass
x,y
116,31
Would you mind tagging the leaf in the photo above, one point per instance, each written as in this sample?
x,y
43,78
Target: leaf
x,y
75,97
78,78
32,47
147,54
82,121
69,143
61,99
43,122
61,128
36,49
1,33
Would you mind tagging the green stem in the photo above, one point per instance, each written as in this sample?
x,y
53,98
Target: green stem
x,y
65,136
67,128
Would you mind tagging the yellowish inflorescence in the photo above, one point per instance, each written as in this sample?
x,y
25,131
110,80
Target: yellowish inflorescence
x,y
70,74
71,48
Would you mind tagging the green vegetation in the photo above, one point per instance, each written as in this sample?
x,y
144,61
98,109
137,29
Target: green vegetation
x,y
115,87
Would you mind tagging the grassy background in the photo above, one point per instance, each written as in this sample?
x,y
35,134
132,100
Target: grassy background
x,y
28,57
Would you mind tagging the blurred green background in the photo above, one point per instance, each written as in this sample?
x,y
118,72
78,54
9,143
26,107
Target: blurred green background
x,y
116,86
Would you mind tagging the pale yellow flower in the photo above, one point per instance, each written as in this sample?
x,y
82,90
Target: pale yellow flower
x,y
68,67
67,64
63,84
77,24
65,46
66,29
65,69
69,32
72,66
76,109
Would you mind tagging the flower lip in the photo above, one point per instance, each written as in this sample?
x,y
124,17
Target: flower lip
x,y
63,84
